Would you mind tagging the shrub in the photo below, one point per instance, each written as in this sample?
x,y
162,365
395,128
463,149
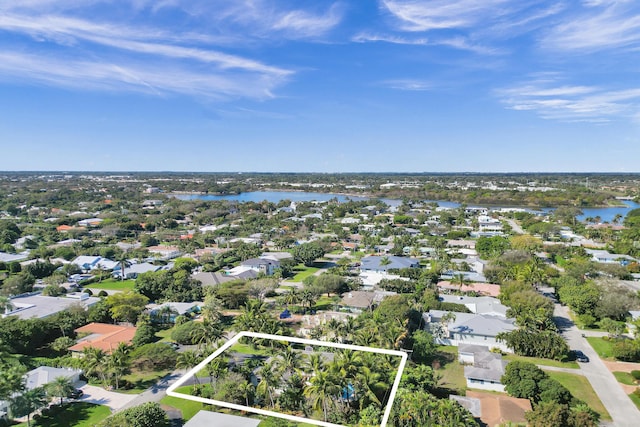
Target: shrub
x,y
154,356
183,334
626,350
88,292
103,293
636,375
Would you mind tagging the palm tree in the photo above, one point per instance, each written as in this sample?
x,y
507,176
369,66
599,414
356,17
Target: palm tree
x,y
94,363
314,363
28,402
323,389
269,380
384,261
187,360
119,362
5,305
308,297
247,389
289,361
123,260
60,387
217,368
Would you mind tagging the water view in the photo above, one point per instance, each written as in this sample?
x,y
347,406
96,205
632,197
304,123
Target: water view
x,y
605,214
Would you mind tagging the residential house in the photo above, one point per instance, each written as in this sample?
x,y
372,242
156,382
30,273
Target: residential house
x,y
359,301
380,264
494,409
484,369
478,305
90,222
467,328
168,311
103,336
40,377
87,263
604,257
40,306
165,252
489,289
7,257
132,271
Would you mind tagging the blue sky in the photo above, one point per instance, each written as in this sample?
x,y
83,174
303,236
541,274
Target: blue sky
x,y
320,86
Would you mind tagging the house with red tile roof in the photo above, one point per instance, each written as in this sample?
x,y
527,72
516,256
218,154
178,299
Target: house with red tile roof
x,y
103,336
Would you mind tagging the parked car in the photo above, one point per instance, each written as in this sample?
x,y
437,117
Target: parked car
x,y
75,394
580,356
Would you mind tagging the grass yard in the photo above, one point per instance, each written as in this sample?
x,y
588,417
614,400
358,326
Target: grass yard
x,y
141,381
580,388
635,399
603,347
450,370
77,414
540,361
302,273
188,407
113,285
164,334
624,378
246,349
326,303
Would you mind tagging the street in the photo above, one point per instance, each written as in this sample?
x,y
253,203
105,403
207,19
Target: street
x,y
622,410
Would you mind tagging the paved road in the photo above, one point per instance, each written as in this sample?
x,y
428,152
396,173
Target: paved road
x,y
623,412
156,392
514,225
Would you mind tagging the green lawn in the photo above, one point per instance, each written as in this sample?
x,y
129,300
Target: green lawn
x,y
451,371
140,381
635,399
303,272
603,347
164,334
188,407
580,388
326,303
113,285
246,349
624,378
77,414
540,361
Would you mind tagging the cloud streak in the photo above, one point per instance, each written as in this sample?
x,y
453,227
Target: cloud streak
x,y
571,103
600,25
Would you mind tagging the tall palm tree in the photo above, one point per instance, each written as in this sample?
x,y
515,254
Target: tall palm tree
x,y
60,387
314,364
94,363
269,380
123,260
187,360
119,362
27,403
289,360
323,389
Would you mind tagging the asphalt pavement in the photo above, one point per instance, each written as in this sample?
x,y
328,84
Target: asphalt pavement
x,y
622,410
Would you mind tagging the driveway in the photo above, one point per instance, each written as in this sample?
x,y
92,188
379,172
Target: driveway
x,y
622,410
100,396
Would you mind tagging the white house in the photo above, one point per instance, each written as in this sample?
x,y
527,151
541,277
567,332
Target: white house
x,y
466,328
479,305
484,369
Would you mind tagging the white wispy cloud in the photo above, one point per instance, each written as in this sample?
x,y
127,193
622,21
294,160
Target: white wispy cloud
x,y
601,24
388,38
408,84
551,100
135,76
442,14
136,56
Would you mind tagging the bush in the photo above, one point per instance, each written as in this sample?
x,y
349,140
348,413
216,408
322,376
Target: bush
x,y
88,292
103,293
183,334
636,376
626,350
152,357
